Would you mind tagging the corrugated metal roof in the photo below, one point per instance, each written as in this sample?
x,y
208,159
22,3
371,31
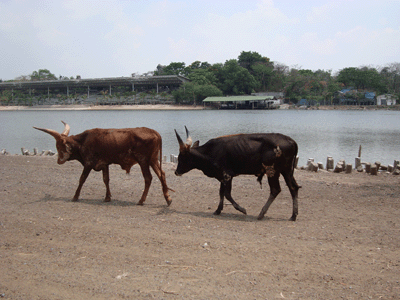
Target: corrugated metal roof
x,y
238,98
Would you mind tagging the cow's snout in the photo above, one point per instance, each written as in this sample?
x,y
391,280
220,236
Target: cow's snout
x,y
177,173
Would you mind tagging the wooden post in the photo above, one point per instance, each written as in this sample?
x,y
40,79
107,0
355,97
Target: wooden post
x,y
349,168
359,152
329,163
358,162
340,166
396,164
374,169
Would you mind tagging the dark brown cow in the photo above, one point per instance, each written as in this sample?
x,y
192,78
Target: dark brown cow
x,y
97,148
258,154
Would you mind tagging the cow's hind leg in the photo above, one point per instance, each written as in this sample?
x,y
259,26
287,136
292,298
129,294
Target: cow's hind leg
x,y
161,175
275,190
106,179
82,179
147,182
225,190
294,188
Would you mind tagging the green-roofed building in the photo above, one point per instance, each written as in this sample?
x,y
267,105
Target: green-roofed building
x,y
242,102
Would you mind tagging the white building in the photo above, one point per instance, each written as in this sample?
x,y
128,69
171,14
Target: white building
x,y
386,99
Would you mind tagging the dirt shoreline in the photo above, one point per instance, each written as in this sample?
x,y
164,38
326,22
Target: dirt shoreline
x,y
344,245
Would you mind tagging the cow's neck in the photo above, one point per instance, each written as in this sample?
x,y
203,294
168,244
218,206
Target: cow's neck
x,y
73,140
205,164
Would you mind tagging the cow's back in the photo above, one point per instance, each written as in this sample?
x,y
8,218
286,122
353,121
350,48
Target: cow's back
x,y
244,153
119,146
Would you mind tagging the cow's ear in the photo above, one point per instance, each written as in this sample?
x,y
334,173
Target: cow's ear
x,y
68,146
196,144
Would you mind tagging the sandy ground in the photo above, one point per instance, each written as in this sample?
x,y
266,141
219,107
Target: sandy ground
x,y
344,245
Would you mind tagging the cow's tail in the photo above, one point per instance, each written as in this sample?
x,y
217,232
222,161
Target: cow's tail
x,y
161,163
294,165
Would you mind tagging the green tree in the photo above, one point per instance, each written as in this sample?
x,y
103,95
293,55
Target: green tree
x,y
203,76
142,96
236,80
207,90
199,65
278,77
259,66
249,59
194,93
6,97
347,76
361,78
263,74
42,74
175,68
152,95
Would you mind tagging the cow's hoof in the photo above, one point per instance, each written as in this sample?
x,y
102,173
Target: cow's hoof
x,y
107,199
74,199
217,213
260,217
140,203
293,218
169,202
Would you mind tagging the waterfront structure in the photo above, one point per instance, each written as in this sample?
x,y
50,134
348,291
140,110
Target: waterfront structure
x,y
242,102
386,99
86,91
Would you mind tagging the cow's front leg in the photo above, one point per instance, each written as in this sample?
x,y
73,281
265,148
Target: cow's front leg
x,y
82,179
106,179
228,189
221,199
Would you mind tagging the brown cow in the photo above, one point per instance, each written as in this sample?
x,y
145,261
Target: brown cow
x,y
98,148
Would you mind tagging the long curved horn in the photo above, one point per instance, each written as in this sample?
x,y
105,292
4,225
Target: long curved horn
x,y
188,138
52,132
181,144
66,129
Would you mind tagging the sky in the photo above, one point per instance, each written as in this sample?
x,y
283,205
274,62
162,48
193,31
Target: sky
x,y
114,38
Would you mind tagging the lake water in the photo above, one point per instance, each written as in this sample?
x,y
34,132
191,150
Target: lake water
x,y
318,133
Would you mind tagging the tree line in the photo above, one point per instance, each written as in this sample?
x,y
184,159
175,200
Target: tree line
x,y
253,73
